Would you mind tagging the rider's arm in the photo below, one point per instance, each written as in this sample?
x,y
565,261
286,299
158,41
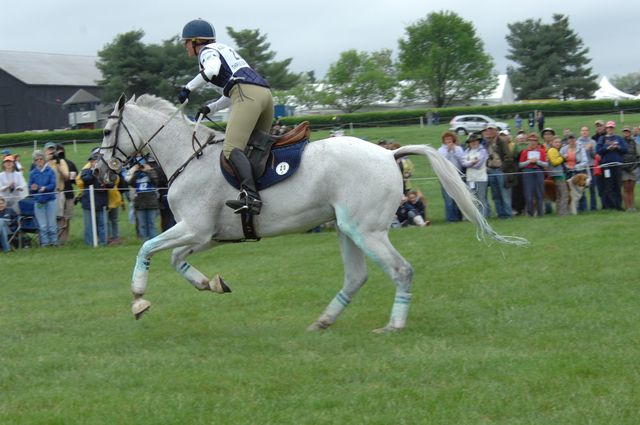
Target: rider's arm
x,y
211,64
222,103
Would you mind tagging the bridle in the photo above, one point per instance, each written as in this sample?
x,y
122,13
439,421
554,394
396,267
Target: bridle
x,y
116,163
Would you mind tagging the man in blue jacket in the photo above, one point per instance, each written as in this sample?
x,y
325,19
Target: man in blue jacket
x,y
42,185
611,148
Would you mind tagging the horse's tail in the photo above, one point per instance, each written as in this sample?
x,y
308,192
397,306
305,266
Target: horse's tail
x,y
450,178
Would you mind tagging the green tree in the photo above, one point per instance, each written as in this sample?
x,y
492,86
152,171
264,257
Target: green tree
x,y
551,60
444,61
253,47
359,79
628,83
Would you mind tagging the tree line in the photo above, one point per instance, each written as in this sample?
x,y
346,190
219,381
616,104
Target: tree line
x,y
440,60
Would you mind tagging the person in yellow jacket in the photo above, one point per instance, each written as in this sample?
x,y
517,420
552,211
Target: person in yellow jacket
x,y
114,203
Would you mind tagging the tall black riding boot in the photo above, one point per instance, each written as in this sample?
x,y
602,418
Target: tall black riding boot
x,y
249,198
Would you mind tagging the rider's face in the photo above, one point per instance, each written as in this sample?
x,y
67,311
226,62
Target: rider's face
x,y
188,45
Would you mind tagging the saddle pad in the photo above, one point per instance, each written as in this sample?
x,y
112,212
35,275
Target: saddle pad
x,y
283,162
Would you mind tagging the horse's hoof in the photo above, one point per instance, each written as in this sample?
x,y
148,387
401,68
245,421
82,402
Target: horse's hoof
x,y
218,285
318,325
387,329
140,307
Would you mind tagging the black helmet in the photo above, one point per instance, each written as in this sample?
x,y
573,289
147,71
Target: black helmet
x,y
198,28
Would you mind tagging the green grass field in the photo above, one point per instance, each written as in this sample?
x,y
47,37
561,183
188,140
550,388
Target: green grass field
x,y
546,334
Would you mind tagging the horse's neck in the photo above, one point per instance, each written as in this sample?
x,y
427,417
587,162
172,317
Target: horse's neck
x,y
175,147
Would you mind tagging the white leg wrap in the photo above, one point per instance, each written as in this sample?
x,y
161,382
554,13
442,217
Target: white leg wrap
x,y
140,275
400,310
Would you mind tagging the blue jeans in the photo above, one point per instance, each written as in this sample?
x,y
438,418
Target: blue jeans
x,y
146,223
101,218
500,194
451,211
4,236
46,216
480,192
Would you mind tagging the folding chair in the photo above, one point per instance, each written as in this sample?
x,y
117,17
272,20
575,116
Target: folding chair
x,y
28,231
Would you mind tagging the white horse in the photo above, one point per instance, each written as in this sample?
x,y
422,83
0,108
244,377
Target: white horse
x,y
343,178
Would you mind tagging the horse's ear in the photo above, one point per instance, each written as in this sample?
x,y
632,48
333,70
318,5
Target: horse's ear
x,y
121,102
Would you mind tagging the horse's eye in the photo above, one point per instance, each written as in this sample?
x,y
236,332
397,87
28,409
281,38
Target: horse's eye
x,y
107,133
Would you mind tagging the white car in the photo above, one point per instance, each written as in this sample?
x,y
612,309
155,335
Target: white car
x,y
465,124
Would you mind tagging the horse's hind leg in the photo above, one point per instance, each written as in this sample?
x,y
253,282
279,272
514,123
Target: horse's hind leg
x,y
193,275
378,247
355,275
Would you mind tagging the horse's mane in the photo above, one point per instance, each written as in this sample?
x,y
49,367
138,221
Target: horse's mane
x,y
156,103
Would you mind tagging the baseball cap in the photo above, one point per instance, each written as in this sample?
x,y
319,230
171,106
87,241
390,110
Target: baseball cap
x,y
504,132
599,122
532,136
49,145
626,128
611,124
571,136
490,126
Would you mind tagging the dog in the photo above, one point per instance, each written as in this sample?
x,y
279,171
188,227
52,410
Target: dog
x,y
576,186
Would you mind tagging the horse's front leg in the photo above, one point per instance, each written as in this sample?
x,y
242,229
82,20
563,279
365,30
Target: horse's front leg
x,y
178,235
193,275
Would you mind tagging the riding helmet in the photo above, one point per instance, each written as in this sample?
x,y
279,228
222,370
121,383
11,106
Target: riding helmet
x,y
198,28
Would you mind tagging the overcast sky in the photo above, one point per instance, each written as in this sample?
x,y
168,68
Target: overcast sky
x,y
315,33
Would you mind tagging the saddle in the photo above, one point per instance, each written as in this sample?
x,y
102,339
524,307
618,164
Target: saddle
x,y
261,144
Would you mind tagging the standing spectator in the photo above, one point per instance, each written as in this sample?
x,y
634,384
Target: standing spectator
x,y
517,194
42,185
145,181
13,187
540,120
100,196
575,157
7,222
611,149
61,170
586,143
629,170
547,136
114,204
533,161
475,162
532,121
599,130
518,122
556,170
167,220
64,223
454,154
499,157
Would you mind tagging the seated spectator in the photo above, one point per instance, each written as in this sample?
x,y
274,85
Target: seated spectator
x,y
42,185
533,161
475,162
412,212
7,224
454,154
145,181
13,187
556,170
100,196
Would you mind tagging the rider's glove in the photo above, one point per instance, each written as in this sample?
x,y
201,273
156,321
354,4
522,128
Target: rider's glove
x,y
204,111
183,95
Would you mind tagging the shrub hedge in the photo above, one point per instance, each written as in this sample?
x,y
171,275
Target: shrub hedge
x,y
380,118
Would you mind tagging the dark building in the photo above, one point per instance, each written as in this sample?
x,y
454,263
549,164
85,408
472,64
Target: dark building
x,y
34,87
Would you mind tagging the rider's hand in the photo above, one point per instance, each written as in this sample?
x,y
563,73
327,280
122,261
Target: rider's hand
x,y
183,95
204,111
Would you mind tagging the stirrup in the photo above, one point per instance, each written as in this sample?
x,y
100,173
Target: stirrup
x,y
245,203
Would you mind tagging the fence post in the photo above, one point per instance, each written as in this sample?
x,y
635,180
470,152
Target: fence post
x,y
92,205
350,128
621,116
35,145
421,122
75,148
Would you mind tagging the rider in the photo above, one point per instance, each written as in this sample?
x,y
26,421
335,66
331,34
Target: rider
x,y
242,88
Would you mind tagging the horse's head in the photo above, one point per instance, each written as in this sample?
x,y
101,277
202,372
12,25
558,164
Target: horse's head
x,y
118,144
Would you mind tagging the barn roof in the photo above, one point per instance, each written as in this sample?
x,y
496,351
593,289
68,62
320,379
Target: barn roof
x,y
50,69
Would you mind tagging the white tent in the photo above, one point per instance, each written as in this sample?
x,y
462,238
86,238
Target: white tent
x,y
609,91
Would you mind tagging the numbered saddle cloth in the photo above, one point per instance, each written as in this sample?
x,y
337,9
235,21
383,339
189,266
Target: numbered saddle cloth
x,y
282,163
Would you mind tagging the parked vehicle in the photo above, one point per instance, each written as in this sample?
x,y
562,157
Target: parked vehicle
x,y
465,124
